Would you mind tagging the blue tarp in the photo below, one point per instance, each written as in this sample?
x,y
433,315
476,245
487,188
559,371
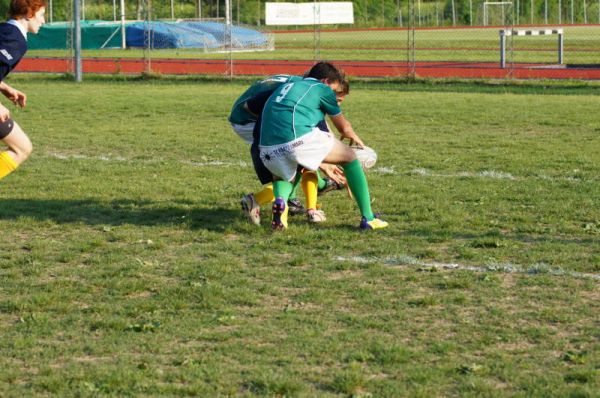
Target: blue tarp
x,y
107,34
193,35
240,37
167,35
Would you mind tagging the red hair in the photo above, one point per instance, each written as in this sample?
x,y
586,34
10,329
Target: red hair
x,y
25,8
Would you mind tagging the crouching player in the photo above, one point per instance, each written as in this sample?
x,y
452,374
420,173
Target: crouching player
x,y
312,183
289,137
334,179
26,16
243,121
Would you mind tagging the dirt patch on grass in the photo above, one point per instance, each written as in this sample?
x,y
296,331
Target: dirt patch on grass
x,y
144,294
346,274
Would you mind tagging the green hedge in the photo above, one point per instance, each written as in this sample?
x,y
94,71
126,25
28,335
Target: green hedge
x,y
367,13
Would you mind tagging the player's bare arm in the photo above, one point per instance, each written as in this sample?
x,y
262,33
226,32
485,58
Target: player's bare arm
x,y
346,130
5,89
17,97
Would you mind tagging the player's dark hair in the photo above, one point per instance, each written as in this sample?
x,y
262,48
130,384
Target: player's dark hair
x,y
344,87
325,70
24,8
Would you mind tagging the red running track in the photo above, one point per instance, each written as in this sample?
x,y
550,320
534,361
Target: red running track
x,y
270,67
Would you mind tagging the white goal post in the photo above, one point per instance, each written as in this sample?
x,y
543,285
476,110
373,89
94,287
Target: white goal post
x,y
501,4
530,32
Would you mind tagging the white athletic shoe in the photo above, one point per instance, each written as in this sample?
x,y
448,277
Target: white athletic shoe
x,y
315,216
251,208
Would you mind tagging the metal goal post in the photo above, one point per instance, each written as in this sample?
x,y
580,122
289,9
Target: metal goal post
x,y
521,32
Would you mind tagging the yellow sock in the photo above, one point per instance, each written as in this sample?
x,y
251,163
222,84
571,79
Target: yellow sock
x,y
310,185
7,164
265,196
284,217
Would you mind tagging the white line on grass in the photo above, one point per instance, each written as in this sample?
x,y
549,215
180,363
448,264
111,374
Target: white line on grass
x,y
105,158
491,174
214,163
535,269
110,158
484,174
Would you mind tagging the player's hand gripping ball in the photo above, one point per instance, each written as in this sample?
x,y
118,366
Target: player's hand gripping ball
x,y
366,156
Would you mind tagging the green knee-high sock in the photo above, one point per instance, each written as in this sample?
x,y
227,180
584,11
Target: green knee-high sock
x,y
282,189
295,185
321,182
357,181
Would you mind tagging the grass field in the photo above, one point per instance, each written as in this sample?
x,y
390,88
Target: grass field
x,y
454,45
127,269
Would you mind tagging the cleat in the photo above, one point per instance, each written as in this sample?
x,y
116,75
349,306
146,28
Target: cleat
x,y
375,223
295,207
315,216
330,185
280,212
251,208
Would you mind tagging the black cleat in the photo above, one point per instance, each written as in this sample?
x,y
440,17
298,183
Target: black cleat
x,y
330,185
295,207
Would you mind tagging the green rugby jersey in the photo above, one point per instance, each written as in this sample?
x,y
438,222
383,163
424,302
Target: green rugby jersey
x,y
239,115
295,109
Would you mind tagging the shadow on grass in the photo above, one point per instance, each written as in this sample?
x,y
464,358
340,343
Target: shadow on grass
x,y
119,212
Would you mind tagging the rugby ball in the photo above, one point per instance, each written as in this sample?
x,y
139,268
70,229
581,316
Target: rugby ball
x,y
366,156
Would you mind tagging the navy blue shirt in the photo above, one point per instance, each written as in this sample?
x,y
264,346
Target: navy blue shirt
x,y
13,47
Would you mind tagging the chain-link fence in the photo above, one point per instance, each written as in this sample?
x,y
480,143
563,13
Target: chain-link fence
x,y
407,38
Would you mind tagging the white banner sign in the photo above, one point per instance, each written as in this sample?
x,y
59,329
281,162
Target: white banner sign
x,y
309,13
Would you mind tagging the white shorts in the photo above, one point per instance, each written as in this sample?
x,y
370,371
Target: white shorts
x,y
308,151
244,131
